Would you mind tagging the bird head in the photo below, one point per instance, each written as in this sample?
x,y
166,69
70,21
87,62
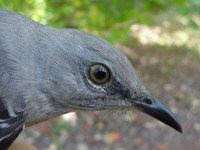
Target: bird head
x,y
88,73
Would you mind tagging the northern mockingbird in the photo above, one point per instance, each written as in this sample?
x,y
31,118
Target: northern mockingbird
x,y
46,72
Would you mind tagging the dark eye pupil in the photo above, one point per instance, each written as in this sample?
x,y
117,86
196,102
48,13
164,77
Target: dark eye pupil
x,y
100,74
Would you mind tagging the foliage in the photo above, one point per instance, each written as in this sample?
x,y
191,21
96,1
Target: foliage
x,y
110,19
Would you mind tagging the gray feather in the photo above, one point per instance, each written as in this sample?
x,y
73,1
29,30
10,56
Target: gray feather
x,y
43,68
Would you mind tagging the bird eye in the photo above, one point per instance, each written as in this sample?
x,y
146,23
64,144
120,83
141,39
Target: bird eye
x,y
99,74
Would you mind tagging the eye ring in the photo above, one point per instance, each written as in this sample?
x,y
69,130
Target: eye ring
x,y
99,74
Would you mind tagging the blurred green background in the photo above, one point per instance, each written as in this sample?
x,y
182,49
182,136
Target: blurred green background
x,y
162,40
110,19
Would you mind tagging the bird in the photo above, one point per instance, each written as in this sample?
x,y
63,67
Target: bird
x,y
47,71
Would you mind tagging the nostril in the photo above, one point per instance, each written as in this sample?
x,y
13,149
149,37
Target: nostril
x,y
148,101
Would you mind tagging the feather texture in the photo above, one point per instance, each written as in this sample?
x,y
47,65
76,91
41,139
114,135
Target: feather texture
x,y
10,126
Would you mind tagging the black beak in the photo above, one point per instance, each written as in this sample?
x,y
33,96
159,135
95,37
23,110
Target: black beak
x,y
154,108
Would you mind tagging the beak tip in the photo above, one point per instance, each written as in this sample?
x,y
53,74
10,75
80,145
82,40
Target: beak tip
x,y
179,128
180,131
173,122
